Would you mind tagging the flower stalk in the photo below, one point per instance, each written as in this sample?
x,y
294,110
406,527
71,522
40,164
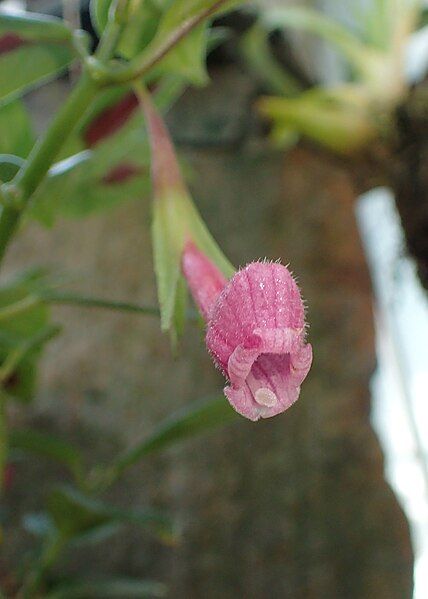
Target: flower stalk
x,y
43,154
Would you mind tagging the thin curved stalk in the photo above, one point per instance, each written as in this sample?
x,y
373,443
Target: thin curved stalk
x,y
94,302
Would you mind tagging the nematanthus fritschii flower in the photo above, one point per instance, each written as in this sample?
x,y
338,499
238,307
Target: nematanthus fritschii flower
x,y
255,320
255,331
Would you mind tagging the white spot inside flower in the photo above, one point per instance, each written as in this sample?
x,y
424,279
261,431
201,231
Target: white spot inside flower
x,y
265,397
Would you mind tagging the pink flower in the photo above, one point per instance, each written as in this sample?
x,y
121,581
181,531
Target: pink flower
x,y
255,332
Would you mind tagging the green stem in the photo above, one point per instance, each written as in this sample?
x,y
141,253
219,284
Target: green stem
x,y
3,438
18,307
50,554
47,147
40,159
109,41
14,358
8,221
93,302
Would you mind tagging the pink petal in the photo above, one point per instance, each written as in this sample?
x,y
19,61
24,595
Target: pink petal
x,y
262,295
269,384
256,336
273,341
204,279
267,391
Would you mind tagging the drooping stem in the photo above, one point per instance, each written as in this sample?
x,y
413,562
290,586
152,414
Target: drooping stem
x,y
47,147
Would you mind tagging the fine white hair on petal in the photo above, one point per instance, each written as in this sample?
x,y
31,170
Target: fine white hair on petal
x,y
261,296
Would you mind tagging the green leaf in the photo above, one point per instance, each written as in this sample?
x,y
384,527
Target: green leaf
x,y
187,58
119,588
373,23
48,446
142,22
254,47
114,114
93,181
192,420
217,36
99,10
361,57
23,68
336,118
34,27
150,22
24,328
115,170
96,535
76,514
387,24
17,135
17,372
33,49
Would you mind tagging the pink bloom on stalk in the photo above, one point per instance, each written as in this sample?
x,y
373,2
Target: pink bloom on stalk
x,y
255,332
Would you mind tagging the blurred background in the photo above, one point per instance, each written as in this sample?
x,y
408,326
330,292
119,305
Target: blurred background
x,y
329,500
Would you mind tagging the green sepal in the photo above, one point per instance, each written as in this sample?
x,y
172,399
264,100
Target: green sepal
x,y
175,221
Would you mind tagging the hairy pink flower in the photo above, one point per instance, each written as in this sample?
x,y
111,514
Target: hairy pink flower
x,y
255,332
